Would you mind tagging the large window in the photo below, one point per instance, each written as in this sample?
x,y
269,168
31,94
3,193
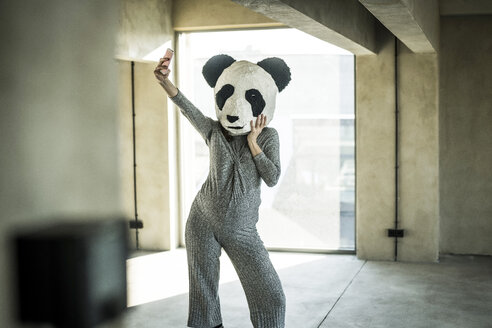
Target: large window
x,y
312,206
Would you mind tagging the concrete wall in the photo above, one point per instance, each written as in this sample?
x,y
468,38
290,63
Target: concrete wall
x,y
375,153
154,157
58,145
375,150
466,135
215,14
419,155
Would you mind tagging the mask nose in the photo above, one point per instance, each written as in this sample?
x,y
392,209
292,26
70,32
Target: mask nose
x,y
232,119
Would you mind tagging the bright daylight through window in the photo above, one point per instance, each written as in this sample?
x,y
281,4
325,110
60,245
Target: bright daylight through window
x,y
313,205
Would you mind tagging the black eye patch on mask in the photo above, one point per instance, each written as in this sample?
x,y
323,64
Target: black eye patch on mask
x,y
224,93
256,100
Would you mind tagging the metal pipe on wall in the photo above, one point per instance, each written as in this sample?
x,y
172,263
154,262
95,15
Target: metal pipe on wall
x,y
134,155
397,155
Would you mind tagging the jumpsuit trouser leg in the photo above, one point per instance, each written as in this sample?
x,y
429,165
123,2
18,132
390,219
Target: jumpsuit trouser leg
x,y
203,252
260,281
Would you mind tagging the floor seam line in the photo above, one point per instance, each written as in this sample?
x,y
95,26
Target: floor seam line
x,y
343,292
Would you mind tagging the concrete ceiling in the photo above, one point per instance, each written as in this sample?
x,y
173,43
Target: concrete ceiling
x,y
345,23
353,24
465,7
416,22
413,22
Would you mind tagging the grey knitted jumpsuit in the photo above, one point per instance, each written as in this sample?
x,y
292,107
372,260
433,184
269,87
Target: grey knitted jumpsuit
x,y
224,215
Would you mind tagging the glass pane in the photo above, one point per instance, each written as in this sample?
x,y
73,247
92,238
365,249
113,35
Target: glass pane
x,y
312,206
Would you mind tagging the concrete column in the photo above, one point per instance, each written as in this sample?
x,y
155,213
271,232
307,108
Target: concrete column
x,y
375,151
154,157
58,96
419,156
466,135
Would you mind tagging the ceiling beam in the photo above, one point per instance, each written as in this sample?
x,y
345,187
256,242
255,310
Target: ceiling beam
x,y
344,23
413,22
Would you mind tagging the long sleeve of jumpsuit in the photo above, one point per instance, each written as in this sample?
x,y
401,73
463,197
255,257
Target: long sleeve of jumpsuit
x,y
224,216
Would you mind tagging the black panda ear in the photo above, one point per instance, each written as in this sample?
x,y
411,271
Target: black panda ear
x,y
214,67
278,69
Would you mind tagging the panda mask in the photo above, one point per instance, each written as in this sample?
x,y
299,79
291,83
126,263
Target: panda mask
x,y
244,90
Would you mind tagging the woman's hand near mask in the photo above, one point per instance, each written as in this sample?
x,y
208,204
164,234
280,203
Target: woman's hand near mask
x,y
256,128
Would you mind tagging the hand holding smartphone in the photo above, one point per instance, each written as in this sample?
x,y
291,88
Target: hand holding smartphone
x,y
165,61
162,71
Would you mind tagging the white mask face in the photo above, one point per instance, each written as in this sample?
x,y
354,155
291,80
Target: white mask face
x,y
244,91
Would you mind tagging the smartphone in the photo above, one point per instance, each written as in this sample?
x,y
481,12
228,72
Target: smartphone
x,y
169,54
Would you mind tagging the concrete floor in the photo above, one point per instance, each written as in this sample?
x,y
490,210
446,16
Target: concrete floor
x,y
325,291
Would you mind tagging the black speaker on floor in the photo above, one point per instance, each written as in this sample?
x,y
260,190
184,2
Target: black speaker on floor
x,y
72,274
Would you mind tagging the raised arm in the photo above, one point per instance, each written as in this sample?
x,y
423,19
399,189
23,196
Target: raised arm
x,y
200,122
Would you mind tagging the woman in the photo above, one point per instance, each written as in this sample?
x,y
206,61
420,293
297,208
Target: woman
x,y
225,211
